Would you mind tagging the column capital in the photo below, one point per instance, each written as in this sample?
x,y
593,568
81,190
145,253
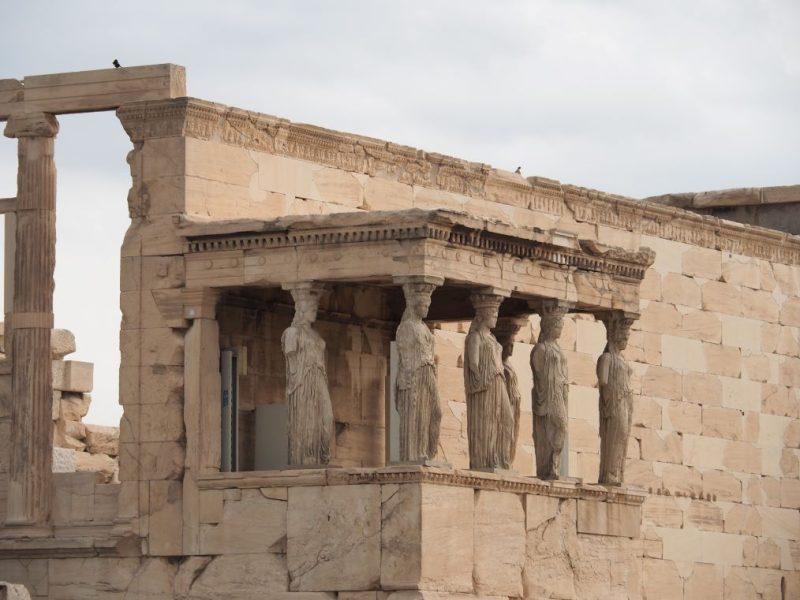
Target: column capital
x,y
36,124
178,306
618,323
551,307
508,327
616,316
310,286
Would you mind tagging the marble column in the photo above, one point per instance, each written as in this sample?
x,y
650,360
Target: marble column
x,y
30,465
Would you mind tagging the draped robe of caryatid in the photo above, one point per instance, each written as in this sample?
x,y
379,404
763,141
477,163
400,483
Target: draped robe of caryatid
x,y
515,402
616,411
310,413
550,392
417,391
490,422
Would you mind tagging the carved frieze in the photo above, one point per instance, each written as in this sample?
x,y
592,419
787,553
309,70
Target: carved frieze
x,y
206,120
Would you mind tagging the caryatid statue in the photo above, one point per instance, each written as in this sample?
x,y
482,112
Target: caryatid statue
x,y
505,332
616,399
550,392
417,392
490,421
307,397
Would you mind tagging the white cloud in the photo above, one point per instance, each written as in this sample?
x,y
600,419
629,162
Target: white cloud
x,y
634,97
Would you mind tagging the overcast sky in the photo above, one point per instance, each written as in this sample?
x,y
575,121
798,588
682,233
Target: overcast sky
x,y
633,97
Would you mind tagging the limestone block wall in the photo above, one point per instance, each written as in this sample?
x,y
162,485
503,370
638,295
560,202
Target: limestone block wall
x,y
715,353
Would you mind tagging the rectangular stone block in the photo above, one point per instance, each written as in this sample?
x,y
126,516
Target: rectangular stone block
x,y
499,543
250,525
682,354
702,325
702,262
427,537
100,89
334,538
166,524
739,332
721,298
73,376
551,545
681,290
662,511
723,360
609,518
691,545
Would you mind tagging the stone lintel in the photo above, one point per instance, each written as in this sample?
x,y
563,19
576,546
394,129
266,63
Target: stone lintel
x,y
90,91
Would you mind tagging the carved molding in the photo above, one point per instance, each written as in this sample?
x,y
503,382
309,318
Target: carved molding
x,y
679,225
179,306
207,120
421,474
437,226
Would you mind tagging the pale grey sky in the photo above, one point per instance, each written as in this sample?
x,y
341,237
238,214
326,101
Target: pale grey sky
x,y
629,96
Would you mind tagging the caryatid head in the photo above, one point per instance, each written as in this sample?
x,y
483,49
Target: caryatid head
x,y
506,331
487,307
306,304
618,330
552,322
418,298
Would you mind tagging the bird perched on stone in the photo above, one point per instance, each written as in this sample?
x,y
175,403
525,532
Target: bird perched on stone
x,y
518,171
116,64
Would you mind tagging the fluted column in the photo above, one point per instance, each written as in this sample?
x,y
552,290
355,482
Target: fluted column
x,y
30,468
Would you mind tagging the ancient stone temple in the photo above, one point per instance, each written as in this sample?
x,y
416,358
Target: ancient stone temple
x,y
353,370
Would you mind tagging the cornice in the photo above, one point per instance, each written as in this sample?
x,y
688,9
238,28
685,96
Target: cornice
x,y
452,229
205,120
400,474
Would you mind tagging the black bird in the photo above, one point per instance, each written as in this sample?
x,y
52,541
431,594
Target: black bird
x,y
518,171
116,64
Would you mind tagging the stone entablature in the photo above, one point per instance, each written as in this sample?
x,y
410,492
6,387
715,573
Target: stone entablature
x,y
203,120
464,250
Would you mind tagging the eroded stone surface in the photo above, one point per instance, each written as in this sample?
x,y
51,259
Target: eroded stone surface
x,y
333,540
500,542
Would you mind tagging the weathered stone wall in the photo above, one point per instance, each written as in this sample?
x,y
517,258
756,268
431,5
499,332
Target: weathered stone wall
x,y
320,535
716,357
715,353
